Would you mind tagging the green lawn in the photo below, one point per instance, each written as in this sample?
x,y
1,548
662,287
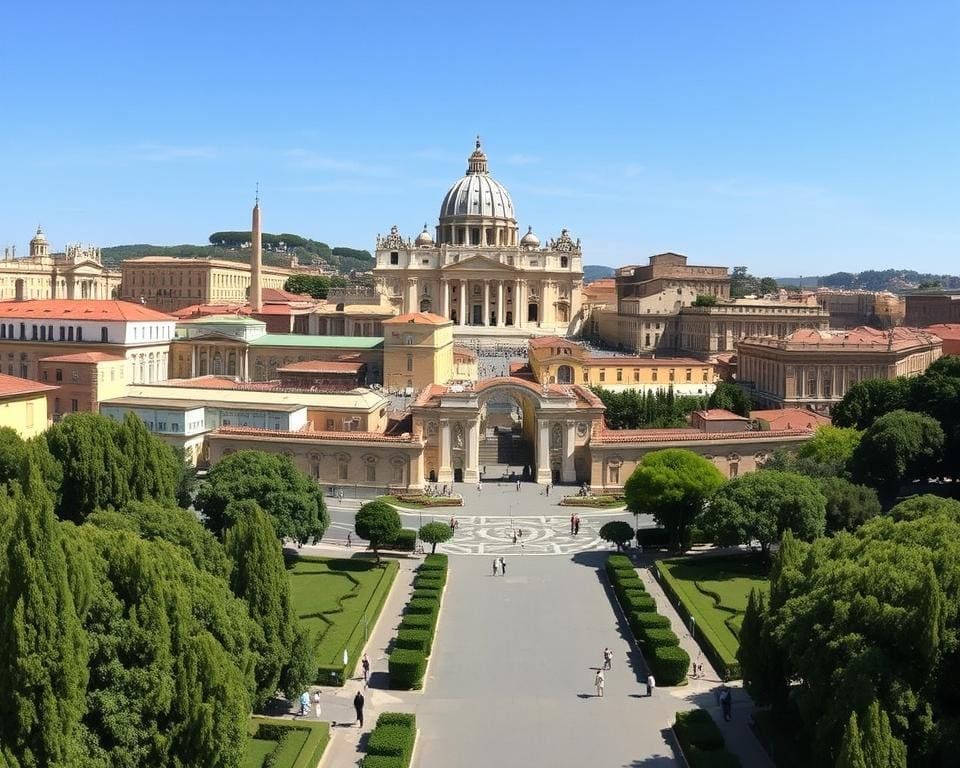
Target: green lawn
x,y
426,502
292,743
334,598
715,591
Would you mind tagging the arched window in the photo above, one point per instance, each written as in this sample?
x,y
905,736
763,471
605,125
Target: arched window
x,y
564,374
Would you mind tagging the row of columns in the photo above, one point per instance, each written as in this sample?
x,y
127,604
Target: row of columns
x,y
518,305
211,350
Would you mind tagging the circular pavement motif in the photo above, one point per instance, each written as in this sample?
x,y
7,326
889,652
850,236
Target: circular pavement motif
x,y
483,535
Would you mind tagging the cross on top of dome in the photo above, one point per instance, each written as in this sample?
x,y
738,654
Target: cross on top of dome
x,y
477,163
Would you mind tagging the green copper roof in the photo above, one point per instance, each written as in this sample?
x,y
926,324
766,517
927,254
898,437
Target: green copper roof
x,y
317,342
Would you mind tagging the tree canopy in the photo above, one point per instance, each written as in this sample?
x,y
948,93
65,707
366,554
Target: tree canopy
x,y
762,505
378,523
831,446
316,286
848,505
868,400
293,500
617,532
898,447
435,533
672,485
639,409
730,397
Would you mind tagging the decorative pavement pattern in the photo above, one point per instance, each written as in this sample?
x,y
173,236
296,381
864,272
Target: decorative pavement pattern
x,y
486,535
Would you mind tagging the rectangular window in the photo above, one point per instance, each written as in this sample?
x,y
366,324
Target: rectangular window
x,y
44,376
586,376
636,375
614,471
59,374
673,374
342,470
75,376
371,472
103,334
689,375
603,374
409,363
619,374
653,375
330,427
394,257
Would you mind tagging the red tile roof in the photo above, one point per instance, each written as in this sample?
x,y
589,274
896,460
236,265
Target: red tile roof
x,y
320,366
945,331
790,418
424,318
550,341
314,435
719,414
464,352
83,357
81,309
691,435
11,386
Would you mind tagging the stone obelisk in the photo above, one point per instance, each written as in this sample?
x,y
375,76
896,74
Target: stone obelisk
x,y
256,258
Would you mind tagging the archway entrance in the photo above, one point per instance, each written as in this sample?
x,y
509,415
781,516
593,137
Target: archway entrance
x,y
507,438
533,313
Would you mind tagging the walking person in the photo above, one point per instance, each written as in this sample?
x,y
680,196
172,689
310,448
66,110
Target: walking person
x,y
573,517
316,704
518,486
304,703
651,684
349,540
726,704
576,525
358,706
365,663
607,658
496,567
503,567
598,681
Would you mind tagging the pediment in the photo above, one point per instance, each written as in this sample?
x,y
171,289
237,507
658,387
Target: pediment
x,y
478,263
213,336
84,268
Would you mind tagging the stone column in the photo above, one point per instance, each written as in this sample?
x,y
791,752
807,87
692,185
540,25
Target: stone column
x,y
568,472
463,303
517,304
543,451
471,470
445,472
500,308
412,305
445,298
194,361
486,302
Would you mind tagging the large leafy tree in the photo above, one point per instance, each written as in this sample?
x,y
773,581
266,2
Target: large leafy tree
x,y
154,467
730,397
435,533
673,486
848,505
293,500
378,523
618,532
868,400
762,505
898,447
43,650
258,577
831,446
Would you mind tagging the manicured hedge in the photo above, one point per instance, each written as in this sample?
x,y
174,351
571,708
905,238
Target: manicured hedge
x,y
406,669
390,744
296,754
656,638
661,647
669,664
406,540
701,741
414,640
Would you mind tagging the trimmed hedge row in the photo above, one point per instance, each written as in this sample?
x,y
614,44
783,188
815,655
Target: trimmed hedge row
x,y
661,647
310,749
406,540
407,662
390,744
701,741
727,668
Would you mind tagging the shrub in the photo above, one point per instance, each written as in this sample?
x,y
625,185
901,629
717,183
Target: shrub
x,y
634,603
390,740
714,758
415,640
701,741
649,620
658,638
383,761
423,606
634,591
434,561
425,594
406,540
669,664
427,582
619,561
418,621
398,718
406,669
653,537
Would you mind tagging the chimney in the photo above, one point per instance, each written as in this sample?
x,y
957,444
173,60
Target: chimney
x,y
256,291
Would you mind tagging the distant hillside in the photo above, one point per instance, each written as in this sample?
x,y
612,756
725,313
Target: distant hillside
x,y
895,280
593,272
230,246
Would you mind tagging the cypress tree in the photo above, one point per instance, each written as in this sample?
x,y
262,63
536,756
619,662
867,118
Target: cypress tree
x,y
881,749
785,563
931,615
153,468
750,652
259,578
851,751
43,649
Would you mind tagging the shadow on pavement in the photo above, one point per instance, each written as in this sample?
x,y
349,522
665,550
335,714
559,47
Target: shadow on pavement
x,y
379,680
660,761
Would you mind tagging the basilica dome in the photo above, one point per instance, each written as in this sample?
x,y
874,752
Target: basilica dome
x,y
477,204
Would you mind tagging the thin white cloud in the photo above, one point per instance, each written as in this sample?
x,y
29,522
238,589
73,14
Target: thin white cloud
x,y
310,160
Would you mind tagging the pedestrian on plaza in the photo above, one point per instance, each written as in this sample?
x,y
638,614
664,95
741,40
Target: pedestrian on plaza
x,y
598,681
518,486
651,684
607,658
349,540
496,567
358,706
340,494
316,704
503,567
726,704
479,487
576,525
365,663
304,703
700,669
573,517
514,536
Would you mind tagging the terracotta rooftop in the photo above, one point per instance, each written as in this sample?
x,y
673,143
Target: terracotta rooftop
x,y
314,435
692,435
83,357
320,366
647,362
550,341
945,331
81,309
720,414
859,338
11,386
464,352
423,318
790,418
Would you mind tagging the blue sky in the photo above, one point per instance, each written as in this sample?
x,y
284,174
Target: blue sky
x,y
794,138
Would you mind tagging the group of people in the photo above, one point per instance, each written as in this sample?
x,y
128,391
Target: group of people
x,y
358,700
599,680
499,566
574,524
438,490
